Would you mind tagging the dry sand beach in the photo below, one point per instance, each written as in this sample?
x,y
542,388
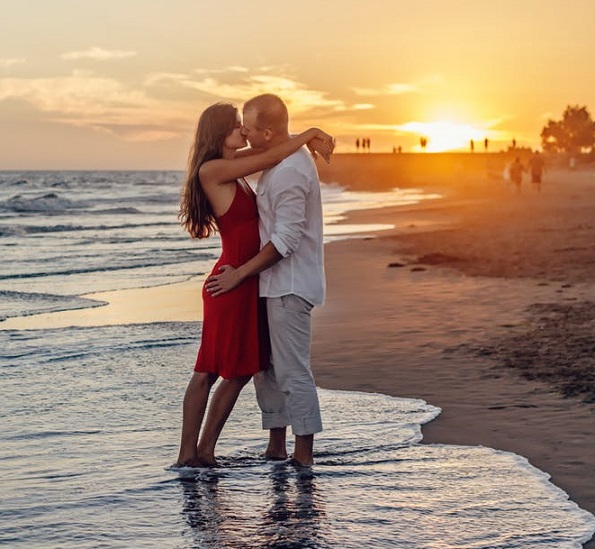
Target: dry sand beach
x,y
481,303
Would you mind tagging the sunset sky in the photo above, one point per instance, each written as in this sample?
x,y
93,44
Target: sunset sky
x,y
89,84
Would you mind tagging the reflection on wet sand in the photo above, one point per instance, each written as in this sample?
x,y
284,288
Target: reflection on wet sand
x,y
293,519
202,511
283,513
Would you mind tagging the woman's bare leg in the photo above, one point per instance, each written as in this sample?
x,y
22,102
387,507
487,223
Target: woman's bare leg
x,y
195,403
222,403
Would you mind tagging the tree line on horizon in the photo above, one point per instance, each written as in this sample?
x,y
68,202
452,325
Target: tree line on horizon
x,y
573,134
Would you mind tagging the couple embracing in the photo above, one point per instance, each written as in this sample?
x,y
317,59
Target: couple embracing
x,y
259,296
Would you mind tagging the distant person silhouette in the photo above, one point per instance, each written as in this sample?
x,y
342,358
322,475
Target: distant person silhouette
x,y
485,144
516,173
471,145
536,168
357,144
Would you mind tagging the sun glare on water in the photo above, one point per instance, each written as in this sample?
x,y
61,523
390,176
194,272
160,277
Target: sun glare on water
x,y
445,136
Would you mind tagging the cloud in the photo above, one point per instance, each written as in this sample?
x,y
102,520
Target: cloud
x,y
299,98
104,104
307,106
236,85
159,78
389,89
222,70
156,110
80,93
98,54
126,131
399,88
9,63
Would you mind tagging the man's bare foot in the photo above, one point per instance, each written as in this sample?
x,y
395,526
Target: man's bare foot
x,y
276,448
303,453
275,455
297,463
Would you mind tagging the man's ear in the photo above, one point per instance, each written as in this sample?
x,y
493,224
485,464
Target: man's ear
x,y
268,134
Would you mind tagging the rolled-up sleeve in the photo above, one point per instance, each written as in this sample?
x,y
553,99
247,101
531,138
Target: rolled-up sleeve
x,y
291,192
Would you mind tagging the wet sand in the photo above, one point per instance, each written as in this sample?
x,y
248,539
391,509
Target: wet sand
x,y
481,303
171,303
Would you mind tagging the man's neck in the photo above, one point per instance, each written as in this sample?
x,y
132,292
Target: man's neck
x,y
278,139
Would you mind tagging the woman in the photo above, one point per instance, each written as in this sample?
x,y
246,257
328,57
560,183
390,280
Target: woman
x,y
234,342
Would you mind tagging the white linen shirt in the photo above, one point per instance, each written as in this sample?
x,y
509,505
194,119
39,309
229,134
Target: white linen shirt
x,y
290,217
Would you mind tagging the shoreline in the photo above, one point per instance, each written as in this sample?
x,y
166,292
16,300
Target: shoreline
x,y
176,302
470,314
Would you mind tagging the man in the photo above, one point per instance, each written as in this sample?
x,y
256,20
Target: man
x,y
515,171
536,165
292,281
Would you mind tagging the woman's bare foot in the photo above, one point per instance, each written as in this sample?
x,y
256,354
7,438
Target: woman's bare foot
x,y
196,462
207,460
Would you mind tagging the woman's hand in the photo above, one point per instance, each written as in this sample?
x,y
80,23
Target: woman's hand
x,y
323,144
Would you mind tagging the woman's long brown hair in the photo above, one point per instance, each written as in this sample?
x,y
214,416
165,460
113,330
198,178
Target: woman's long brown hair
x,y
214,125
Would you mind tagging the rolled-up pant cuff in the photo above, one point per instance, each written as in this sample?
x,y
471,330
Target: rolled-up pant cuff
x,y
274,420
307,426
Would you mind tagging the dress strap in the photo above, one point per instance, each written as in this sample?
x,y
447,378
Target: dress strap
x,y
245,186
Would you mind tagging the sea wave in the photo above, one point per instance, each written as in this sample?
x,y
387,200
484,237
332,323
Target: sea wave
x,y
119,211
13,231
21,230
13,304
72,344
131,263
46,203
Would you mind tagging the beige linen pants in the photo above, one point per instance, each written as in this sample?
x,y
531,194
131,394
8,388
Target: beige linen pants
x,y
286,392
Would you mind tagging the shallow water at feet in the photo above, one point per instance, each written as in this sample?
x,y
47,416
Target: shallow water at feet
x,y
90,424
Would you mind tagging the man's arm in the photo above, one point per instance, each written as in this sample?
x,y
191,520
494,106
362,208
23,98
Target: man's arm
x,y
289,205
230,277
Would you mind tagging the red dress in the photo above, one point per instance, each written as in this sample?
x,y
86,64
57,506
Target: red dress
x,y
235,339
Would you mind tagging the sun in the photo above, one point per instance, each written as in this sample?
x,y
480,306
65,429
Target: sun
x,y
444,135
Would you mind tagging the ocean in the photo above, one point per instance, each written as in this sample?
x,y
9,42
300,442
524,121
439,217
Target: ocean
x,y
90,415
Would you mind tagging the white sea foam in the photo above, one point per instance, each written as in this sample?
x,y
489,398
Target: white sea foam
x,y
88,431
